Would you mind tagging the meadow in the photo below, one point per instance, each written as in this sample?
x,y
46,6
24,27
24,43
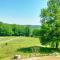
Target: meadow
x,y
10,46
24,46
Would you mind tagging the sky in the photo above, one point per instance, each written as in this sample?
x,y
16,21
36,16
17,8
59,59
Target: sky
x,y
23,12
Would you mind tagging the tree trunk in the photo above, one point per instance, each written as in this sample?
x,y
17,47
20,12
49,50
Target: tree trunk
x,y
57,44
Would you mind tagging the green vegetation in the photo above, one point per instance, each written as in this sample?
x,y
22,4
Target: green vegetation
x,y
50,27
10,46
17,30
24,46
13,30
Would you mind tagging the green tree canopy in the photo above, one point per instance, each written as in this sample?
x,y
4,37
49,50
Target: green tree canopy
x,y
50,28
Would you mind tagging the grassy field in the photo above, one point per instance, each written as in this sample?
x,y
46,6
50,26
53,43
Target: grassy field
x,y
24,46
10,46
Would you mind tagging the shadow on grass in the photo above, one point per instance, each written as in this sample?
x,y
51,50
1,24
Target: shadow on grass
x,y
38,49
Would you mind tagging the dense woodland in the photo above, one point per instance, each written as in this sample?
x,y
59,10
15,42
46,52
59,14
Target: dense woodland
x,y
18,30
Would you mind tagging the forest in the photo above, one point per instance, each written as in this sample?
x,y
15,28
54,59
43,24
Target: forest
x,y
18,30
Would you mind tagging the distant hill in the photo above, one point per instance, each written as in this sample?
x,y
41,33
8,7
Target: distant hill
x,y
35,26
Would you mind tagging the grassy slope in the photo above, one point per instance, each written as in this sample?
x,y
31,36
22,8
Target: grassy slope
x,y
15,43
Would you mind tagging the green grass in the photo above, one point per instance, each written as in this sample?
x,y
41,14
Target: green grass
x,y
13,44
24,46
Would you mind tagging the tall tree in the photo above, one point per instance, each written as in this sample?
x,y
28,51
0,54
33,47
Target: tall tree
x,y
50,28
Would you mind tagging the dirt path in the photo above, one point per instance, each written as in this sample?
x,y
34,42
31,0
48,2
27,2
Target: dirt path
x,y
43,58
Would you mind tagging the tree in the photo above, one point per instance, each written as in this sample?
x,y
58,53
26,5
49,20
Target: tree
x,y
27,30
50,23
17,30
5,30
36,32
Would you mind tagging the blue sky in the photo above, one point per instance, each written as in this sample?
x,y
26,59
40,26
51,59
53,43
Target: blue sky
x,y
25,12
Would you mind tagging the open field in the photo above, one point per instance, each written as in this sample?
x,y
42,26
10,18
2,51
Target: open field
x,y
9,46
24,46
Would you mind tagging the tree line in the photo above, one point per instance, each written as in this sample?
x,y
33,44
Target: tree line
x,y
17,30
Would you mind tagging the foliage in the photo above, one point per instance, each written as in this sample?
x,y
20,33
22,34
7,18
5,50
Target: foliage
x,y
50,28
14,30
36,32
18,30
